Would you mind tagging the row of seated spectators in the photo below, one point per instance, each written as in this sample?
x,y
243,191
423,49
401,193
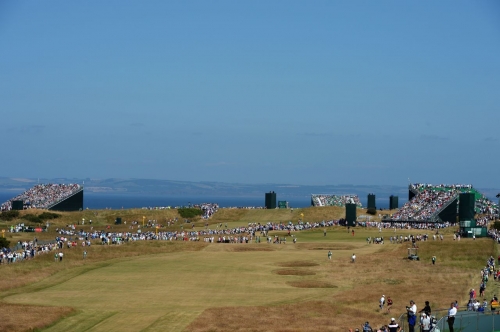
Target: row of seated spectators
x,y
485,206
406,225
424,186
423,205
42,196
335,200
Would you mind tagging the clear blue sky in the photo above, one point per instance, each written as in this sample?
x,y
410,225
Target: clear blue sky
x,y
300,92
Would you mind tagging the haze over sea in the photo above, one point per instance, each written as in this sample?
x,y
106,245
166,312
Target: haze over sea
x,y
128,201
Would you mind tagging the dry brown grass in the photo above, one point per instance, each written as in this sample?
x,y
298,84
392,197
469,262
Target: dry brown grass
x,y
15,317
326,246
297,264
360,285
311,284
246,248
310,316
294,272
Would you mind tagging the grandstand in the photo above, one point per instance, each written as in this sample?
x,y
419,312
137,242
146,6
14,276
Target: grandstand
x,y
438,203
334,200
58,197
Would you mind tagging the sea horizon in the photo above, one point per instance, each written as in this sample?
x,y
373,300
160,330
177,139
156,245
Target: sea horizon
x,y
116,201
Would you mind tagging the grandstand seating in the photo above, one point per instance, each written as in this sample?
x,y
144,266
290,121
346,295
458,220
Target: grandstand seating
x,y
430,200
483,204
44,196
334,200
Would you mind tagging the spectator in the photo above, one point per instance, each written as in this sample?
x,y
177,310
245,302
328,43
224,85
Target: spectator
x,y
427,309
393,326
412,316
389,304
366,327
451,316
425,323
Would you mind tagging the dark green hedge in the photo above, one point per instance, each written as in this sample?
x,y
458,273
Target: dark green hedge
x,y
4,243
40,218
9,215
48,216
189,212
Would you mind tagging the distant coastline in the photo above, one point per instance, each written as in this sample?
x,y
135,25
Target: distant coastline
x,y
115,201
127,193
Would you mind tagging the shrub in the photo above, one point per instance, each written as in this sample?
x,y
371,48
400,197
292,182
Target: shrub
x,y
32,218
9,215
372,211
189,212
48,216
4,243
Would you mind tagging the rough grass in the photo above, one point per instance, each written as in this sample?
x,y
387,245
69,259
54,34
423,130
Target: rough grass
x,y
249,247
309,316
294,272
311,284
16,317
297,264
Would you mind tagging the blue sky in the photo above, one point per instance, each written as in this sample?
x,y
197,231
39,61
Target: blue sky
x,y
300,92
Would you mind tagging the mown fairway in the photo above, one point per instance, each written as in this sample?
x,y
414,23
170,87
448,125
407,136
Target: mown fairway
x,y
186,286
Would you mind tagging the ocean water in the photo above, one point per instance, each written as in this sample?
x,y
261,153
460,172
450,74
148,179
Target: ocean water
x,y
127,201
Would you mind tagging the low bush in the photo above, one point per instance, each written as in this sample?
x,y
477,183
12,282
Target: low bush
x,y
189,212
372,211
48,216
32,218
9,215
4,243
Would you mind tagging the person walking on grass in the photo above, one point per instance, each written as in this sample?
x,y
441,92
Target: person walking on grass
x,y
433,260
382,302
329,255
389,304
353,258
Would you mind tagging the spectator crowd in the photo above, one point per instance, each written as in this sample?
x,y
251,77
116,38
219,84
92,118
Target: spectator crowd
x,y
42,196
430,199
334,200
